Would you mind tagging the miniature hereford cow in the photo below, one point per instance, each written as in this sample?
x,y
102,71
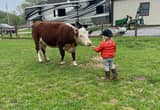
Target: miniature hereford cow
x,y
58,34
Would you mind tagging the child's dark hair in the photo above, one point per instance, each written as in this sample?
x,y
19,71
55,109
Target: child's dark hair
x,y
107,33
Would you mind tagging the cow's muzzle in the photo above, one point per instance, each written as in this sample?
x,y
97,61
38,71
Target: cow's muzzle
x,y
89,44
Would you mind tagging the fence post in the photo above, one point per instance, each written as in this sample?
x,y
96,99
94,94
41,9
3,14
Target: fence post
x,y
1,32
136,23
136,28
10,33
16,30
102,27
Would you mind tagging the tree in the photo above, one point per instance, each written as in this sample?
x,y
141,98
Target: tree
x,y
21,8
3,17
28,3
14,19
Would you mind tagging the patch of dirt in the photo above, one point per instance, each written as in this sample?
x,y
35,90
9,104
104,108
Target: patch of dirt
x,y
113,101
131,93
128,108
142,99
140,90
141,78
97,59
99,65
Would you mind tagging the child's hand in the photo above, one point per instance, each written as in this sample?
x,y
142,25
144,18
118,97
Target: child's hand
x,y
93,46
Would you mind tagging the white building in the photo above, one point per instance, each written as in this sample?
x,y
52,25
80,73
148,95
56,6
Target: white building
x,y
149,9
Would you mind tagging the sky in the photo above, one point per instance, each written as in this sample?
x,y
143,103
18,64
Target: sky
x,y
12,5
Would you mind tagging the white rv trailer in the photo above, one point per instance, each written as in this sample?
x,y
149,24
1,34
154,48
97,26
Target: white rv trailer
x,y
84,11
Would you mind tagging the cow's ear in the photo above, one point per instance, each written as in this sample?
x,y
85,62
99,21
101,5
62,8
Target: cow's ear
x,y
90,31
85,26
78,25
73,24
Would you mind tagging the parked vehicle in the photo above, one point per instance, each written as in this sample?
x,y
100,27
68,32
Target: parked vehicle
x,y
129,23
84,11
5,28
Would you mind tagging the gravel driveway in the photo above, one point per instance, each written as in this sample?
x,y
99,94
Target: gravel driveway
x,y
148,31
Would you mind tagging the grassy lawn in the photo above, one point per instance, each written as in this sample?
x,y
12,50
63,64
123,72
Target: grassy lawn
x,y
26,84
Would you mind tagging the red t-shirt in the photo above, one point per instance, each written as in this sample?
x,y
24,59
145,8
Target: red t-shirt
x,y
107,49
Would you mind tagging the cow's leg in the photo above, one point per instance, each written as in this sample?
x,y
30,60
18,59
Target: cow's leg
x,y
39,52
45,54
74,59
40,56
43,47
37,46
62,52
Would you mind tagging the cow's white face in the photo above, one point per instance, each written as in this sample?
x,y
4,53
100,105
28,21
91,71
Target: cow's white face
x,y
83,38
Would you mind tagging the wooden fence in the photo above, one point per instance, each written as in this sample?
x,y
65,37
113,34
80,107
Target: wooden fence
x,y
22,32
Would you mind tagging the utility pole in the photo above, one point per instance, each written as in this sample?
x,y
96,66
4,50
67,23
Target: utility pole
x,y
7,12
77,10
136,23
111,3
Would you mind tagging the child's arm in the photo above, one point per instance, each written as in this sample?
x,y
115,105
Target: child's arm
x,y
93,46
99,48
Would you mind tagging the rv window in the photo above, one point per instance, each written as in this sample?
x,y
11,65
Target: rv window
x,y
99,9
144,9
61,12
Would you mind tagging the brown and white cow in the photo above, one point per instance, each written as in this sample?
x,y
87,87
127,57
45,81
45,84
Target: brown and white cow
x,y
58,34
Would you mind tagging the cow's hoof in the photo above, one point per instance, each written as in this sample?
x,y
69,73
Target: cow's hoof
x,y
62,62
75,63
47,60
40,61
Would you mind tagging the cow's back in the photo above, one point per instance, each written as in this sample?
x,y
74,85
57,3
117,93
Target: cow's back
x,y
53,33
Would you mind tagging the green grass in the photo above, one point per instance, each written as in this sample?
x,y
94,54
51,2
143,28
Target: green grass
x,y
26,84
